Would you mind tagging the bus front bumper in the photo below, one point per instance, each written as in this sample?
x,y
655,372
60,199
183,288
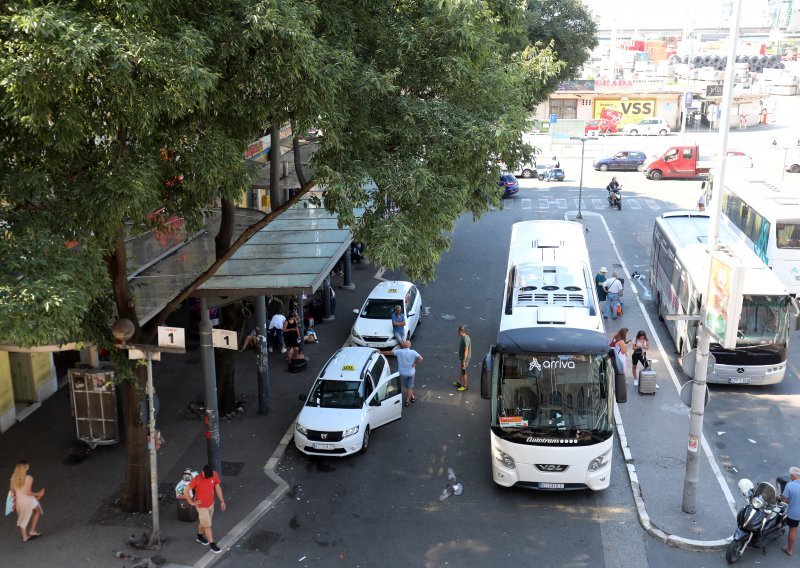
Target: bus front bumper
x,y
528,476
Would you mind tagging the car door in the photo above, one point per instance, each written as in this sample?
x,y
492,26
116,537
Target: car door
x,y
619,161
386,403
412,309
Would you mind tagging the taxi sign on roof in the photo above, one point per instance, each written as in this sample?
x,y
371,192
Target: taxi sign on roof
x,y
348,367
393,290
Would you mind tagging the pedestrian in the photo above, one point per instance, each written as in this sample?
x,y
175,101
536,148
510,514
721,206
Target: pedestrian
x,y
599,278
200,495
291,336
619,343
407,361
464,355
613,288
640,346
28,507
556,163
701,200
791,495
276,332
399,324
251,339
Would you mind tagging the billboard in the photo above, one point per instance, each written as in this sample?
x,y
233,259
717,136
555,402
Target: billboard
x,y
724,299
626,111
561,130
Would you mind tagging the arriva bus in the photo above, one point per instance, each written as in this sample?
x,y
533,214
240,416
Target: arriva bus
x,y
548,376
767,218
679,271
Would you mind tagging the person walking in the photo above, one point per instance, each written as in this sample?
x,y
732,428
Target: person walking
x,y
28,507
599,279
613,287
200,495
407,361
291,336
701,200
640,346
276,332
399,324
464,355
791,495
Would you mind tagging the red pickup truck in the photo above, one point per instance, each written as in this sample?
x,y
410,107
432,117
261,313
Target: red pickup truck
x,y
679,162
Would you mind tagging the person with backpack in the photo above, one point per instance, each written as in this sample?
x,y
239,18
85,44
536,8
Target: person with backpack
x,y
613,287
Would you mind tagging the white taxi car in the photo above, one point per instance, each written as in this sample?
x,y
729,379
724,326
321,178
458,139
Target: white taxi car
x,y
354,394
373,326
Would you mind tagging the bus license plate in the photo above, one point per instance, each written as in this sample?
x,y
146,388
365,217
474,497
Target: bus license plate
x,y
323,446
738,381
544,485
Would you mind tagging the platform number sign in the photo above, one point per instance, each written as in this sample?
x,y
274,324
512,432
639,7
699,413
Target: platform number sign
x,y
224,339
171,336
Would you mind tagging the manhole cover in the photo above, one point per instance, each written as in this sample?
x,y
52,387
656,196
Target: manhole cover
x,y
670,463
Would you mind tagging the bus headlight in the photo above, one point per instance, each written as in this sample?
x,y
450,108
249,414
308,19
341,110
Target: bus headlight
x,y
599,462
504,459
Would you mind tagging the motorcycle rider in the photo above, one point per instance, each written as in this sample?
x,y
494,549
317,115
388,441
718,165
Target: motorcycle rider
x,y
791,495
613,190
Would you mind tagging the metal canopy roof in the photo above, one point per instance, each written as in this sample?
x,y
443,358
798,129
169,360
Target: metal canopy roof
x,y
291,255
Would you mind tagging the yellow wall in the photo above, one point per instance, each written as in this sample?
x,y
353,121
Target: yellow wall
x,y
29,371
6,390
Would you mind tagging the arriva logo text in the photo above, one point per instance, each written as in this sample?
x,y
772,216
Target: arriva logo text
x,y
548,364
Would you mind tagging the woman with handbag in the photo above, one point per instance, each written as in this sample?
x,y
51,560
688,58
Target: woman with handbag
x,y
27,501
619,343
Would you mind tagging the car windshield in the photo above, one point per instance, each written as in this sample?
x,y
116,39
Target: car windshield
x,y
379,308
336,394
764,321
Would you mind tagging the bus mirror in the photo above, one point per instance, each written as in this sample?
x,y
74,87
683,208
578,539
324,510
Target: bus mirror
x,y
486,375
703,185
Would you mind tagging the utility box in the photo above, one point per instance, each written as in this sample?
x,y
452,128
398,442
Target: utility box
x,y
94,406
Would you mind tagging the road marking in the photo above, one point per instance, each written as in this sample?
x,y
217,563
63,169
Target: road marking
x,y
562,203
598,203
544,204
652,204
633,203
795,371
526,203
712,462
581,205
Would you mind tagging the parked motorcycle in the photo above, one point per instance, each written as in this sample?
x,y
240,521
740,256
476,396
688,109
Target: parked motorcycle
x,y
615,197
759,522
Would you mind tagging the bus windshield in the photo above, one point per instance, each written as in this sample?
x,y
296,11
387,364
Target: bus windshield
x,y
764,321
552,394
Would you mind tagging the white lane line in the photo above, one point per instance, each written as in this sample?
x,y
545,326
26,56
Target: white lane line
x,y
379,275
633,203
598,203
562,203
581,205
526,203
676,383
652,204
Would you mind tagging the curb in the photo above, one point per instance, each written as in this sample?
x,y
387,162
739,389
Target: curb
x,y
241,529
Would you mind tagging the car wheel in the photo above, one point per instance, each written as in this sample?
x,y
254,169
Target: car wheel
x,y
795,168
541,177
603,167
527,174
662,132
365,441
640,167
656,175
634,132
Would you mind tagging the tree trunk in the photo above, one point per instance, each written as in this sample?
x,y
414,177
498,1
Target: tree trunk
x,y
298,162
136,490
230,318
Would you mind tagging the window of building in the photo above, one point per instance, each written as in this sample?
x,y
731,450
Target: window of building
x,y
564,108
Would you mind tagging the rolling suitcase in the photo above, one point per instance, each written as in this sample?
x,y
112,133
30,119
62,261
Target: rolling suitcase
x,y
647,379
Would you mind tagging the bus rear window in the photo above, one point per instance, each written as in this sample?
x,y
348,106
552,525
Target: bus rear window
x,y
788,235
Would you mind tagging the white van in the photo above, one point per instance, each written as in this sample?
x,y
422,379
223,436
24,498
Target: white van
x,y
353,394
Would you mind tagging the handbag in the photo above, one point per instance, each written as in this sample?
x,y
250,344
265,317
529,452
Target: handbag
x,y
11,502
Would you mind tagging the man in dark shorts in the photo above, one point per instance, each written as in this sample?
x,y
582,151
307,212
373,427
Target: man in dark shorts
x,y
791,495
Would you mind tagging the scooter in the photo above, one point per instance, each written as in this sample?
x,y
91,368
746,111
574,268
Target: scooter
x,y
759,522
615,197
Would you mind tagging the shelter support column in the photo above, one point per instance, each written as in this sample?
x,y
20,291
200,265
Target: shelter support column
x,y
262,357
347,280
326,300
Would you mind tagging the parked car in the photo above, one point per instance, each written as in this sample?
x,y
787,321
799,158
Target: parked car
x,y
737,159
353,394
623,160
600,126
509,183
552,174
373,326
648,126
526,170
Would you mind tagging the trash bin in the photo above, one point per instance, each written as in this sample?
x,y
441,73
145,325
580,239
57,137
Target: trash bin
x,y
186,512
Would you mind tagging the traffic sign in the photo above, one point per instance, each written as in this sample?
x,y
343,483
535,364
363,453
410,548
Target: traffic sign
x,y
714,90
224,339
553,118
171,336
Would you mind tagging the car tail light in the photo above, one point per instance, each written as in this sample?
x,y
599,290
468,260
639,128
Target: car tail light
x,y
510,183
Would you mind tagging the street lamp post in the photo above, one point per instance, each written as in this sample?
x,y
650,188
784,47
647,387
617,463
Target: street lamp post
x,y
583,140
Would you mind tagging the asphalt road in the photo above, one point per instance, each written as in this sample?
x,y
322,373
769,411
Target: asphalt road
x,y
383,508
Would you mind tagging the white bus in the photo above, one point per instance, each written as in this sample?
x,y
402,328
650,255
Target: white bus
x,y
679,270
548,376
767,219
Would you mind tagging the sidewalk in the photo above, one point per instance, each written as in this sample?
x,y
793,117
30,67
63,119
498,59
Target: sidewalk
x,y
653,430
82,526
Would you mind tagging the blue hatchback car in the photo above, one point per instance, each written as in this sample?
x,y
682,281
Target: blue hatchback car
x,y
509,184
625,160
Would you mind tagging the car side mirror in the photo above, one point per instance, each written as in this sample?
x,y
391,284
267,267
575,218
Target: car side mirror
x,y
374,401
356,311
302,398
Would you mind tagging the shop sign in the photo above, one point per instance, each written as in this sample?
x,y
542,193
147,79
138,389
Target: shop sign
x,y
626,111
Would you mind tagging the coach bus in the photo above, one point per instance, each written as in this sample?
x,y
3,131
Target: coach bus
x,y
767,219
548,376
679,270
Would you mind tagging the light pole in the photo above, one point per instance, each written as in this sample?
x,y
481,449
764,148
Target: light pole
x,y
583,140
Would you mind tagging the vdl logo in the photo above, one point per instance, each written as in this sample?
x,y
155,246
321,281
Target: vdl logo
x,y
548,364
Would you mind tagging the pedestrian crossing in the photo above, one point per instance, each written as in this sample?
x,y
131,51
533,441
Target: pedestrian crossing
x,y
550,204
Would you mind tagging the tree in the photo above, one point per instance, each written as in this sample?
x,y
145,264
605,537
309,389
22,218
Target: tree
x,y
116,117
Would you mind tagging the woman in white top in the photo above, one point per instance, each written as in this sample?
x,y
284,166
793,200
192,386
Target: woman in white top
x,y
640,346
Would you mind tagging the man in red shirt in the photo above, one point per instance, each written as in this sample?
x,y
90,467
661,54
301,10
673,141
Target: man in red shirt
x,y
200,494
